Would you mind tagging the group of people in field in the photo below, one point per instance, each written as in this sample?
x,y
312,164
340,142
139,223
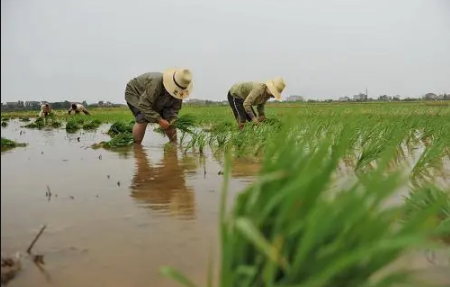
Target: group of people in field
x,y
75,107
157,97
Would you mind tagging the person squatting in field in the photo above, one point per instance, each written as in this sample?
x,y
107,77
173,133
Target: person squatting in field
x,y
45,110
77,108
244,95
156,97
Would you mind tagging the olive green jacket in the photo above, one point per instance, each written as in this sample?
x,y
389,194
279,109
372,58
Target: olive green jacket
x,y
252,93
147,93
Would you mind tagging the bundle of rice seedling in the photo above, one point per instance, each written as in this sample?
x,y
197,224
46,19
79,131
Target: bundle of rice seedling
x,y
39,123
56,124
121,140
8,144
92,125
72,126
120,127
4,123
292,228
185,123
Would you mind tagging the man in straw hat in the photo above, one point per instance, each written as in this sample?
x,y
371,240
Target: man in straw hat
x,y
242,96
157,98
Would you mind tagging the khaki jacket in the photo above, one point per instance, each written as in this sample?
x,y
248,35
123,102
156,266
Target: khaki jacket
x,y
147,93
253,93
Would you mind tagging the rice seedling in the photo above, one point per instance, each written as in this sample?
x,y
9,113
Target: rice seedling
x,y
37,124
73,125
185,123
292,228
119,141
56,124
92,125
273,122
9,144
4,123
421,198
120,127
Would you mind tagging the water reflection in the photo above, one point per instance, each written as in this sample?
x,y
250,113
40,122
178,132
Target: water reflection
x,y
162,187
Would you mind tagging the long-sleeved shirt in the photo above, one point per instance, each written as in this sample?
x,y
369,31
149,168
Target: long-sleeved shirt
x,y
253,93
146,92
79,108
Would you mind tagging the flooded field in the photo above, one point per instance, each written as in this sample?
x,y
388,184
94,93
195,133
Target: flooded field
x,y
113,218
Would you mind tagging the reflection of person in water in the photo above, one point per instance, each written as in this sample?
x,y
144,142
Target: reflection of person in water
x,y
162,187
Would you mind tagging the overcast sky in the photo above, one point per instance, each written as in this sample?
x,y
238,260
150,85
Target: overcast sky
x,y
88,49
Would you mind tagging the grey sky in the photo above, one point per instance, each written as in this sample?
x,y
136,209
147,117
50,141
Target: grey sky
x,y
88,50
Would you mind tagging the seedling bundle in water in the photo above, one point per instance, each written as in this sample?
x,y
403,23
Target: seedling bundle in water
x,y
76,123
121,140
42,122
9,144
120,127
121,136
185,123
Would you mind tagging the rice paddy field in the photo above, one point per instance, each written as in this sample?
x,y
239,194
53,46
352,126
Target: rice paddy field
x,y
323,195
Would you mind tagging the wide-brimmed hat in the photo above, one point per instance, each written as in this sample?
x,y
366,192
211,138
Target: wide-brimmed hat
x,y
276,87
178,82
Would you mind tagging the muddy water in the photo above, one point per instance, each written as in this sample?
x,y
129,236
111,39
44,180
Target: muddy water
x,y
113,217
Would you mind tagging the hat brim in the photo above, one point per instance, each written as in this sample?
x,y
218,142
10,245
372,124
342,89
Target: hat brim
x,y
172,88
273,91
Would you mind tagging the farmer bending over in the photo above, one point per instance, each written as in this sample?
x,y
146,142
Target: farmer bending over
x,y
77,108
242,96
45,110
157,98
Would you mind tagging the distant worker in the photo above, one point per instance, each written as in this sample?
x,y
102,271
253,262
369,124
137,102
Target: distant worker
x,y
243,96
45,110
77,108
156,97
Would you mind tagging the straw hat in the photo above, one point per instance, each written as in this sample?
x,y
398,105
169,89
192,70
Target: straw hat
x,y
178,82
276,87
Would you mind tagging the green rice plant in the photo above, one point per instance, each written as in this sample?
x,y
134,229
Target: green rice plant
x,y
221,127
24,119
421,198
430,162
92,125
273,122
56,124
119,141
185,123
9,144
73,125
292,228
120,127
39,123
4,123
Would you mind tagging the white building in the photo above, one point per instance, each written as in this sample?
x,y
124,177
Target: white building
x,y
295,98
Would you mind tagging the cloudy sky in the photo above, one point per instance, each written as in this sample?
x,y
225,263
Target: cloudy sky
x,y
87,50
